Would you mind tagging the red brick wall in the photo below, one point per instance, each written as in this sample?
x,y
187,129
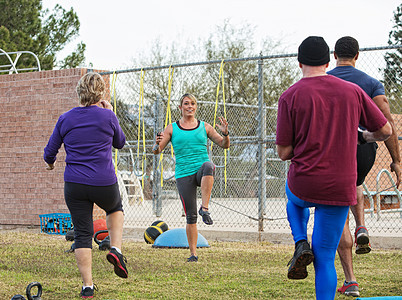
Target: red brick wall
x,y
383,161
30,106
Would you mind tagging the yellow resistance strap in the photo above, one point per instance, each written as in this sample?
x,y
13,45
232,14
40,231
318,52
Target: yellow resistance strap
x,y
114,76
221,78
168,118
141,109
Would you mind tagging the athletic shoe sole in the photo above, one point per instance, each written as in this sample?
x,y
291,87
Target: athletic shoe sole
x,y
363,249
299,270
118,268
353,294
362,239
362,243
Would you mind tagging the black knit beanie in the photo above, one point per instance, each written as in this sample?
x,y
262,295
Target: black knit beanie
x,y
313,51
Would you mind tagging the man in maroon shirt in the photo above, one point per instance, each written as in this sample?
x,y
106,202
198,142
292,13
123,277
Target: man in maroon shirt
x,y
317,126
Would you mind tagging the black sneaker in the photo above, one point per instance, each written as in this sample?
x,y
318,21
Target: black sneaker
x,y
206,218
302,257
192,258
119,261
362,240
88,292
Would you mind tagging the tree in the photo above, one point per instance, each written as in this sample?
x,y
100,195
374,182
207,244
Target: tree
x,y
24,26
241,92
229,42
241,77
241,87
393,69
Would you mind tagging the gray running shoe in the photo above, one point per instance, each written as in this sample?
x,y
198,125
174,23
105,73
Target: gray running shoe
x,y
362,240
350,288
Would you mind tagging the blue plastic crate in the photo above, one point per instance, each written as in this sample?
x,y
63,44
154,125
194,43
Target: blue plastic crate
x,y
57,223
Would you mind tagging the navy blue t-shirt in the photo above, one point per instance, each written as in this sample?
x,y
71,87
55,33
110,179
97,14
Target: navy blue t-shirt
x,y
370,85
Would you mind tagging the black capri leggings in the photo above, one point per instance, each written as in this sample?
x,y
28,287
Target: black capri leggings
x,y
80,199
187,187
366,154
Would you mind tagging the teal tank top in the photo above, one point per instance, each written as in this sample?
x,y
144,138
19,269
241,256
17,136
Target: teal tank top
x,y
190,149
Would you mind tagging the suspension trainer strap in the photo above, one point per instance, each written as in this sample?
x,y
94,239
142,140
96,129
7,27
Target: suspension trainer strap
x,y
221,78
217,96
168,119
171,72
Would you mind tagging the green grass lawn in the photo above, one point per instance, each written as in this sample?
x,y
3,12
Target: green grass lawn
x,y
226,270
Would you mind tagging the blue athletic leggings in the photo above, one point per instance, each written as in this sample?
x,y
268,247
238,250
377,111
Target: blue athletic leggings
x,y
329,221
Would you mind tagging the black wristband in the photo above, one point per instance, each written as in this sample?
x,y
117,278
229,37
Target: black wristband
x,y
360,137
225,134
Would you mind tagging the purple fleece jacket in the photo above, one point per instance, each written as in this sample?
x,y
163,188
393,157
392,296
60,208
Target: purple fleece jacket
x,y
88,134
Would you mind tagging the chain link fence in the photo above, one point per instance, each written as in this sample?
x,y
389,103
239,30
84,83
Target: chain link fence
x,y
249,189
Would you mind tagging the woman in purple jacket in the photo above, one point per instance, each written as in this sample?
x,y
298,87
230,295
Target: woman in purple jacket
x,y
88,133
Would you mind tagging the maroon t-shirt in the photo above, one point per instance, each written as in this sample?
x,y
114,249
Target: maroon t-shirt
x,y
319,117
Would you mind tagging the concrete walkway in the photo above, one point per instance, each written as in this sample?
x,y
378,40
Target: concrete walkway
x,y
235,220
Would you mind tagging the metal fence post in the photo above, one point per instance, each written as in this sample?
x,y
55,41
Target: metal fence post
x,y
156,187
262,189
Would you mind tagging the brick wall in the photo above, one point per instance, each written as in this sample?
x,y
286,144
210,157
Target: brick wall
x,y
30,106
383,161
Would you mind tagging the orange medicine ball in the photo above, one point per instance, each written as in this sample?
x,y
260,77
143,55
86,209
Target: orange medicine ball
x,y
100,225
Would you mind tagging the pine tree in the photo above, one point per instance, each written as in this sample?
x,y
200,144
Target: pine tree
x,y
25,26
393,70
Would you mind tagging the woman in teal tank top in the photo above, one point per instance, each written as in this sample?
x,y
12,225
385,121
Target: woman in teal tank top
x,y
189,138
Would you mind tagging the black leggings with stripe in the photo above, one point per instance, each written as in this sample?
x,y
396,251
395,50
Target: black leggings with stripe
x,y
80,199
187,187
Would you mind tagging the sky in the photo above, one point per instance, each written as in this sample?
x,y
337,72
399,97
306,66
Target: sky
x,y
116,32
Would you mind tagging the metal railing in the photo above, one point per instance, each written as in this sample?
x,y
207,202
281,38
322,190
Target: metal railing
x,y
12,66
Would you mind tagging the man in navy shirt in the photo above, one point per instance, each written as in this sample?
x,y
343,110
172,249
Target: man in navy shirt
x,y
346,54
